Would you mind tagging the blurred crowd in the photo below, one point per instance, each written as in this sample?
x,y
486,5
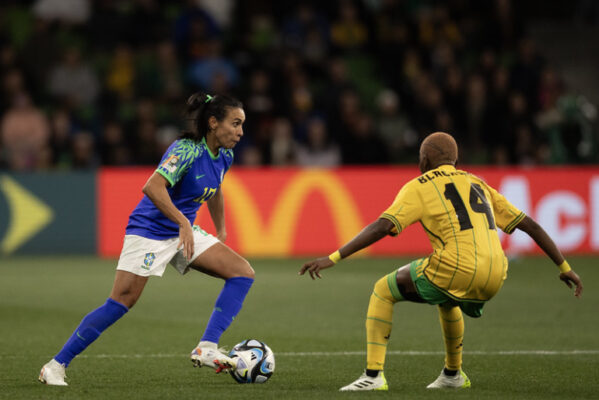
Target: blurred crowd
x,y
89,83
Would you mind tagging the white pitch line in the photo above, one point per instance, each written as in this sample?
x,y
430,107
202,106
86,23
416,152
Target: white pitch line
x,y
398,353
353,353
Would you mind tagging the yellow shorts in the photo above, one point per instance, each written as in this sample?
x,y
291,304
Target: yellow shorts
x,y
433,295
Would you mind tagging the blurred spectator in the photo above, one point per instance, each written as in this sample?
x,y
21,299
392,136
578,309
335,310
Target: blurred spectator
x,y
213,72
25,132
263,35
145,140
348,31
66,11
479,118
39,53
567,127
307,31
120,77
526,71
193,29
83,152
74,81
251,156
114,149
394,128
13,84
62,128
364,145
282,147
169,75
319,150
259,107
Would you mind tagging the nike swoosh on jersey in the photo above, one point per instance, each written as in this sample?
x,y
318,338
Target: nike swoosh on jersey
x,y
199,176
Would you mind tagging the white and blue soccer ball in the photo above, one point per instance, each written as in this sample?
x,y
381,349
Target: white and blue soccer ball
x,y
255,361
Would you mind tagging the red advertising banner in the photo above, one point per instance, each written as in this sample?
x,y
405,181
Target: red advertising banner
x,y
304,212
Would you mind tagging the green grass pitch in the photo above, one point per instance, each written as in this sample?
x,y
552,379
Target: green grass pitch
x,y
534,341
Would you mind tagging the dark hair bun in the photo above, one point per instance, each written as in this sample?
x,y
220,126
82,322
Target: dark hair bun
x,y
195,101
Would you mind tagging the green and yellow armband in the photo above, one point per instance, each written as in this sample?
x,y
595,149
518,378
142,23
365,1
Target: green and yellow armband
x,y
335,257
564,267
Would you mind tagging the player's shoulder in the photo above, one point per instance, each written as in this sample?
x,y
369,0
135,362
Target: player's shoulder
x,y
187,147
412,186
475,178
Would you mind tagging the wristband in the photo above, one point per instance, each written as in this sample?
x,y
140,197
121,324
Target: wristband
x,y
564,267
335,257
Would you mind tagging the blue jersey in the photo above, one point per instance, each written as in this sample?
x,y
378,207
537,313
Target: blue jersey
x,y
194,174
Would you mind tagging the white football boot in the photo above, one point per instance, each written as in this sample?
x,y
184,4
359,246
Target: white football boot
x,y
365,382
53,373
458,381
207,354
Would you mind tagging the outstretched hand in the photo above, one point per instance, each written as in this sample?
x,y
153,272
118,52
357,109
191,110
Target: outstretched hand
x,y
314,267
570,278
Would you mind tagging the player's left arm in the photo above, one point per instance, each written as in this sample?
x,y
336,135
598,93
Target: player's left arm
x,y
538,234
367,236
216,206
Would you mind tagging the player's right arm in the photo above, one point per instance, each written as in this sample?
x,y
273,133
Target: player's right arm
x,y
367,236
544,241
156,190
405,209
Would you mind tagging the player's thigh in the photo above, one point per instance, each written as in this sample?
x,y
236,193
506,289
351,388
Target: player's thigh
x,y
221,261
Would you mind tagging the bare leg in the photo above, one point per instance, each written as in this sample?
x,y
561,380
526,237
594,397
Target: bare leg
x,y
127,287
222,262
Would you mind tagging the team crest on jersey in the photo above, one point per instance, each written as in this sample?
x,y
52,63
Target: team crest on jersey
x,y
149,260
171,163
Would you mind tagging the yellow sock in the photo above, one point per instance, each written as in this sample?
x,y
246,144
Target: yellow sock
x,y
379,320
452,326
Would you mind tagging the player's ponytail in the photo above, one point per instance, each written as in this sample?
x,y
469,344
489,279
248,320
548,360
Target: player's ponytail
x,y
200,107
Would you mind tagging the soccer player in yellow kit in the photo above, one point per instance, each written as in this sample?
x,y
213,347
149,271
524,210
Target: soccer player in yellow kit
x,y
460,214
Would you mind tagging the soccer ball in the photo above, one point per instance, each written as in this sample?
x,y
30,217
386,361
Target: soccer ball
x,y
255,361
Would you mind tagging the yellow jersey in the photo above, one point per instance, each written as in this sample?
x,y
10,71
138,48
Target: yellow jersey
x,y
460,214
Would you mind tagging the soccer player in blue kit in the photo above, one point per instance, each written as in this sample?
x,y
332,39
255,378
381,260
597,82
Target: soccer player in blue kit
x,y
160,232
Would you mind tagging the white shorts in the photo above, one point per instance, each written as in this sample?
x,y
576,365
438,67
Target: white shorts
x,y
145,257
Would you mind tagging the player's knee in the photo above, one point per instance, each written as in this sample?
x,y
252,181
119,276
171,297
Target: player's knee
x,y
125,298
245,269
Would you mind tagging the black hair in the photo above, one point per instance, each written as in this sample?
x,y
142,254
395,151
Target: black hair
x,y
200,107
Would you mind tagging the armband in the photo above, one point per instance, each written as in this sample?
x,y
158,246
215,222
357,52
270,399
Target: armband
x,y
564,267
335,257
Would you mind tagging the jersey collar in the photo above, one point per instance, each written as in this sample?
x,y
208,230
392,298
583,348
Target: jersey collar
x,y
214,157
446,167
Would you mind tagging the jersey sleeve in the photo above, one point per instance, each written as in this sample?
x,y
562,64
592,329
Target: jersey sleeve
x,y
507,216
405,209
176,161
